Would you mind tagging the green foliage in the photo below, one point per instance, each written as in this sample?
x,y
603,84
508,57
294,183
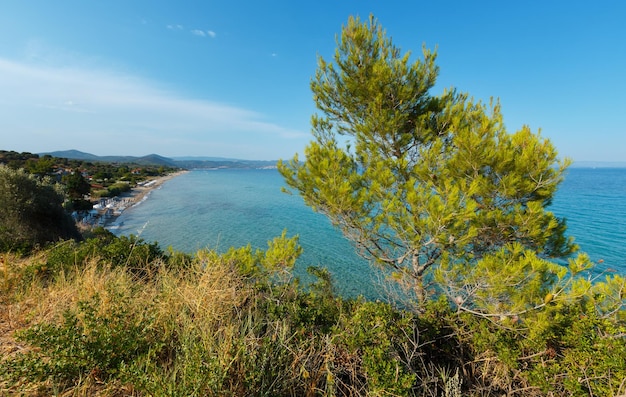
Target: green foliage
x,y
210,324
31,212
276,261
118,188
89,342
194,371
315,309
76,184
529,282
138,257
16,160
132,252
79,205
375,332
281,254
423,180
40,166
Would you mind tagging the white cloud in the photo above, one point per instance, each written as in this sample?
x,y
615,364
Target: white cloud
x,y
175,27
202,33
106,112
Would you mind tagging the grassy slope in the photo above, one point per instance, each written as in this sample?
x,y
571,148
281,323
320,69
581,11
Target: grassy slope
x,y
209,324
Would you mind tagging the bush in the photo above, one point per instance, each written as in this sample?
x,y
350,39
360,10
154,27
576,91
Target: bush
x,y
376,333
132,253
31,212
89,342
118,188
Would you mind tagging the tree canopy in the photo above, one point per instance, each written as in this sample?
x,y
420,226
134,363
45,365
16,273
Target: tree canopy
x,y
31,212
421,183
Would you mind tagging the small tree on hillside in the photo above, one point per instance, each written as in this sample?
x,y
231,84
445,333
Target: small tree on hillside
x,y
424,182
31,212
77,188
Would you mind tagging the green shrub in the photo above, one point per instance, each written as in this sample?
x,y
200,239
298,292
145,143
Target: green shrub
x,y
31,212
134,253
376,333
587,358
118,188
88,342
139,257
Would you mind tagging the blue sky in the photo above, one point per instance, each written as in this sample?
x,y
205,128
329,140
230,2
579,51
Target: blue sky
x,y
231,79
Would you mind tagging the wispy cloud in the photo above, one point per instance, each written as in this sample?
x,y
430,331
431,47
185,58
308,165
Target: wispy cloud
x,y
202,33
196,32
107,112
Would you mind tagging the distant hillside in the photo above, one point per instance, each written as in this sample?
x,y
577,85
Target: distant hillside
x,y
72,155
151,159
155,159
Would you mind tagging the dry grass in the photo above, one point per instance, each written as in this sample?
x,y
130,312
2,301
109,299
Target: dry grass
x,y
219,332
205,296
14,306
198,303
209,314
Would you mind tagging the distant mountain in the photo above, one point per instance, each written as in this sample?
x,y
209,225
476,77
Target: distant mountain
x,y
73,155
151,159
155,159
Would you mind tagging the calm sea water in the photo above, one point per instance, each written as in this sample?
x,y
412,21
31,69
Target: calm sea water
x,y
222,208
593,200
225,208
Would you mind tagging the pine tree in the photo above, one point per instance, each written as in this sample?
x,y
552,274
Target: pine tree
x,y
421,183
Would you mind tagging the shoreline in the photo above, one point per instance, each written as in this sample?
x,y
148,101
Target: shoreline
x,y
114,207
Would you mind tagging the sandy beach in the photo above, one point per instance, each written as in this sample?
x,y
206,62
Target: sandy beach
x,y
108,210
140,191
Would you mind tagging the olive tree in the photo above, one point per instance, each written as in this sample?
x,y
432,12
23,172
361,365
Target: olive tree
x,y
421,182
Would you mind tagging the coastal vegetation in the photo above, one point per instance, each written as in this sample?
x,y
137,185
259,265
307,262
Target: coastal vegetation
x,y
39,193
31,212
494,298
119,316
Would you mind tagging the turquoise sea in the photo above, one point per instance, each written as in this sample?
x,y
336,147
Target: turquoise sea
x,y
233,207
